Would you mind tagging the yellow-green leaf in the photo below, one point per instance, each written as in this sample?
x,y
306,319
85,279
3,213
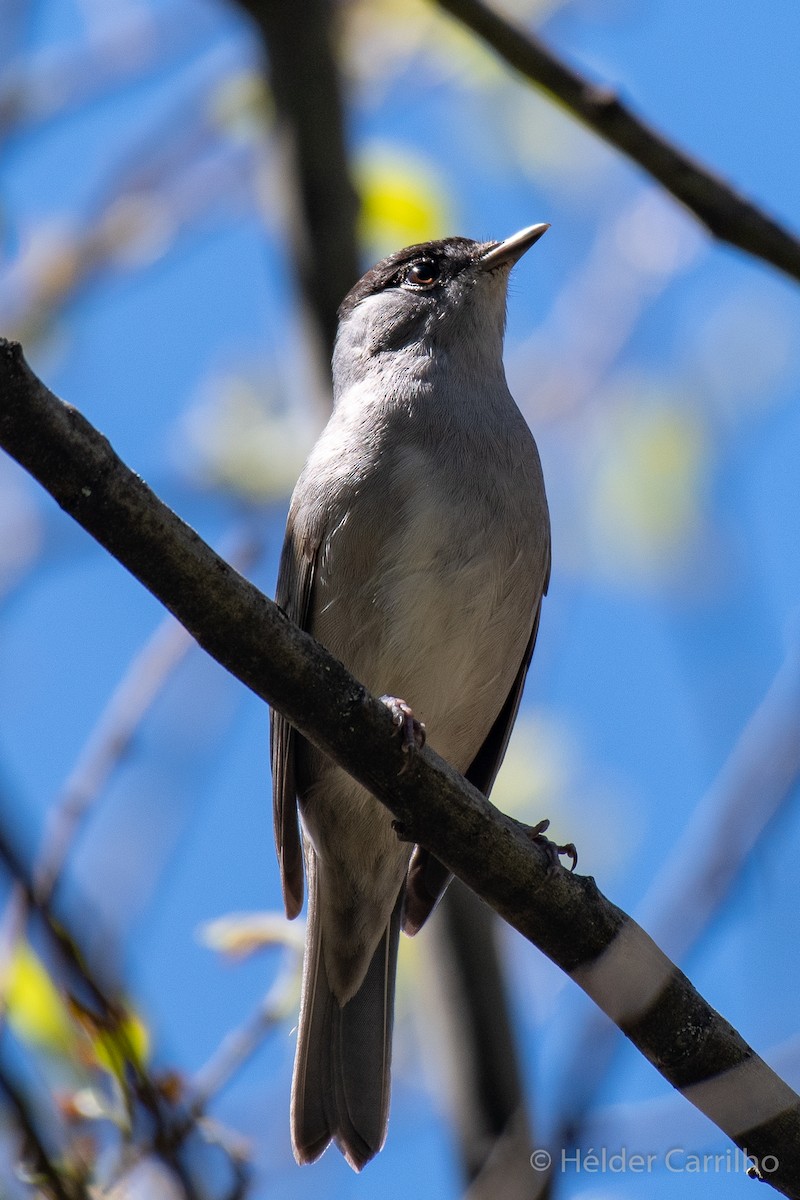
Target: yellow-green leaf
x,y
403,199
36,1011
113,1043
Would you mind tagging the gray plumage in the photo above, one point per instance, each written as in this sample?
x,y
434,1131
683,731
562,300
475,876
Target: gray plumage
x,y
417,550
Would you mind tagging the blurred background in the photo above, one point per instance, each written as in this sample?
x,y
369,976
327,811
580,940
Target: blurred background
x,y
188,189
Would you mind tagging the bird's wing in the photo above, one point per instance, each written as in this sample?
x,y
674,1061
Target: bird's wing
x,y
483,769
293,594
427,877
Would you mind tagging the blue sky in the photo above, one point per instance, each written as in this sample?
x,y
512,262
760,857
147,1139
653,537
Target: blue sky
x,y
659,373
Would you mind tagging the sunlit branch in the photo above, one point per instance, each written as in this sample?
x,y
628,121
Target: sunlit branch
x,y
565,915
726,214
759,778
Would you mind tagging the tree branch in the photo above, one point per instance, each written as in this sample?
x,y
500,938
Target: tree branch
x,y
168,1134
724,212
111,738
759,778
53,1181
566,916
474,1031
323,206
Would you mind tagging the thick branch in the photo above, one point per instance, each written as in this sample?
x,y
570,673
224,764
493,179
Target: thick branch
x,y
566,916
726,214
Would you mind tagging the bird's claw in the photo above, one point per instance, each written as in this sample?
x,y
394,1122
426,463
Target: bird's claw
x,y
402,833
536,834
412,731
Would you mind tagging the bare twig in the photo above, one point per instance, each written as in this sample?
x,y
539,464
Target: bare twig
x,y
569,358
565,915
168,1133
52,1182
74,72
724,212
71,958
240,1044
111,739
235,1049
758,779
59,266
107,745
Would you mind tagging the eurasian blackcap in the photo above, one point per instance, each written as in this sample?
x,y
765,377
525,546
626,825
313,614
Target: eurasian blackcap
x,y
418,551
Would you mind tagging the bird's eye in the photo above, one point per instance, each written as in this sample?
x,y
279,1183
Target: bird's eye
x,y
423,273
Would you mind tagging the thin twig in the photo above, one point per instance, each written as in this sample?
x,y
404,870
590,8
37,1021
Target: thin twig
x,y
11,931
98,63
38,284
111,739
108,743
51,1181
168,1134
570,357
67,950
238,1046
758,779
726,214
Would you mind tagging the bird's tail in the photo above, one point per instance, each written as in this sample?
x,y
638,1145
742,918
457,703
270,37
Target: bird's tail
x,y
340,1089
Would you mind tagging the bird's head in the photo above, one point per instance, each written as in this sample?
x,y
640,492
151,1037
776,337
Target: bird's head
x,y
440,297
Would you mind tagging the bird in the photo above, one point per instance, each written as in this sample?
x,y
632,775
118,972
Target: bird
x,y
417,551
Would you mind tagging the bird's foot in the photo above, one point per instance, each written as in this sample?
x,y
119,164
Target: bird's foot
x,y
536,834
402,833
412,731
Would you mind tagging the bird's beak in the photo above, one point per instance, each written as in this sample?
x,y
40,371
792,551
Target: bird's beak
x,y
512,249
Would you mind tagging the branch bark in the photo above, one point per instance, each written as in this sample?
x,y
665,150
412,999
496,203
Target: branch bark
x,y
726,214
564,915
